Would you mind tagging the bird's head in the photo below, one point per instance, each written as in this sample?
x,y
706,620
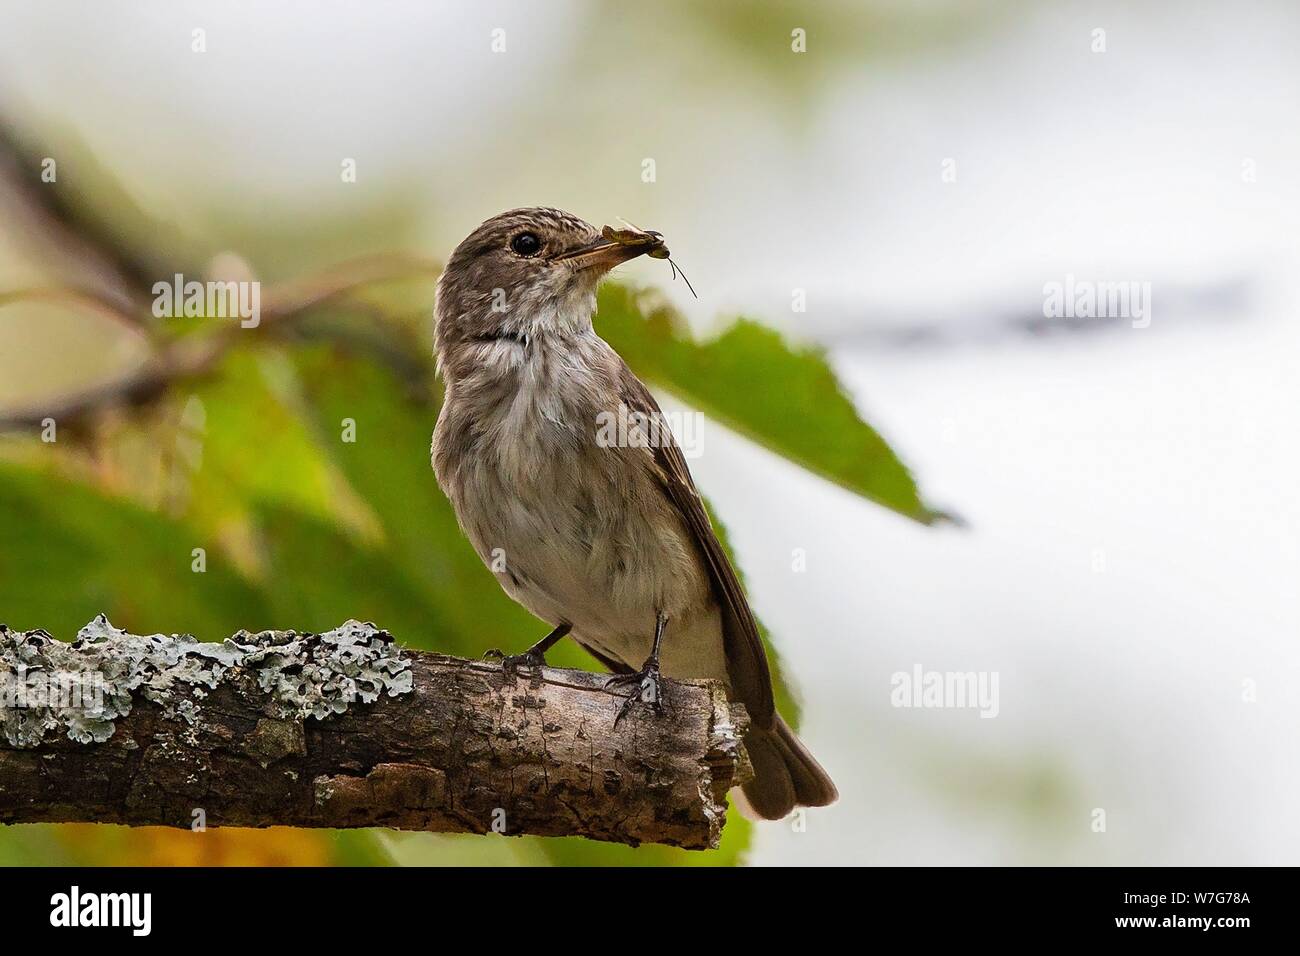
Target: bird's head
x,y
523,274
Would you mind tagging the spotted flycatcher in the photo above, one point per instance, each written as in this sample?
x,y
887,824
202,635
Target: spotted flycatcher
x,y
607,541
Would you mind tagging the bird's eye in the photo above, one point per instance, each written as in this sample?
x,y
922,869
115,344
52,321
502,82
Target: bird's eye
x,y
526,244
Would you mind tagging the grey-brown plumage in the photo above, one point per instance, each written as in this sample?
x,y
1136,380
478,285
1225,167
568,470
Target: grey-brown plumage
x,y
606,540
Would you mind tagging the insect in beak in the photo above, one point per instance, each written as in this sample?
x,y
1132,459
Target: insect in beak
x,y
643,241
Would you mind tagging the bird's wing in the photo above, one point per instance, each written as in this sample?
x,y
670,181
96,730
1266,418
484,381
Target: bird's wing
x,y
751,681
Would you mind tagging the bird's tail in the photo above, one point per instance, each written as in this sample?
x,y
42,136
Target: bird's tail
x,y
786,775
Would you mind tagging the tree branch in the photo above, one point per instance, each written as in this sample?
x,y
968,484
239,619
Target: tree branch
x,y
346,729
192,357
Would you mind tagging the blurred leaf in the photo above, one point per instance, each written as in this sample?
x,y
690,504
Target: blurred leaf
x,y
322,578
749,379
82,553
254,444
357,847
72,553
36,844
99,845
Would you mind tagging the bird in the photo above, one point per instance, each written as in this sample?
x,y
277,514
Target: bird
x,y
607,541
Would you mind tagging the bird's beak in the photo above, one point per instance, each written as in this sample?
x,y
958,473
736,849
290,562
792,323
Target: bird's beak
x,y
602,255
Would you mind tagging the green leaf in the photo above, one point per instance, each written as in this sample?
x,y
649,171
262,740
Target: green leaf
x,y
749,379
253,443
321,578
36,844
72,553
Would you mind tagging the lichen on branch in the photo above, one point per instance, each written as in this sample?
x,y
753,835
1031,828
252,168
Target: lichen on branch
x,y
348,729
82,688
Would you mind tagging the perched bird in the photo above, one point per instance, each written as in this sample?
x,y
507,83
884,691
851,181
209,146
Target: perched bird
x,y
609,542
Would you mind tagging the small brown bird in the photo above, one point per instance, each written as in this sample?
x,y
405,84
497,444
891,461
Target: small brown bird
x,y
608,541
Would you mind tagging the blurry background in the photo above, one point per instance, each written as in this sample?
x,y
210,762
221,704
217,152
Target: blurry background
x,y
1127,558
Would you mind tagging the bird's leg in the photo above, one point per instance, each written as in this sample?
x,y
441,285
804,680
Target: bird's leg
x,y
535,657
647,685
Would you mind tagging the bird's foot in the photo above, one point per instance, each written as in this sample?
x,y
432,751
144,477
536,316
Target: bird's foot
x,y
647,687
531,659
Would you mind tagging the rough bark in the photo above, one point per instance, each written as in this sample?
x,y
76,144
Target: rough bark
x,y
345,729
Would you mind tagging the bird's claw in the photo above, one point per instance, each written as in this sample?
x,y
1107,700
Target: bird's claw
x,y
512,663
647,687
